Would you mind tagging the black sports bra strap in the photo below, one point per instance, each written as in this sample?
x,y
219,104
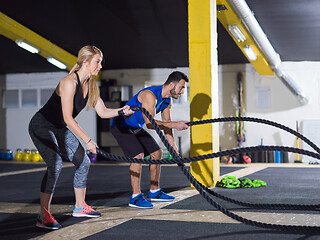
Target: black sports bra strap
x,y
77,76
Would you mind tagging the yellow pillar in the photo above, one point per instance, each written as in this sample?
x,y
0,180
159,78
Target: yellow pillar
x,y
203,65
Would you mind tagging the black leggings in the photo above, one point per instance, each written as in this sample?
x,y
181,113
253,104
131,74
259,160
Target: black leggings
x,y
56,145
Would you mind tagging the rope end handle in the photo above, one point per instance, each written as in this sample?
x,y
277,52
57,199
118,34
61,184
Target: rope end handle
x,y
121,113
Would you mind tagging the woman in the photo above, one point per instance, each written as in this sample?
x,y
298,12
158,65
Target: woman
x,y
50,132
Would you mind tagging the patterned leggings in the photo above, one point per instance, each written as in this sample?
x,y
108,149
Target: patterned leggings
x,y
56,145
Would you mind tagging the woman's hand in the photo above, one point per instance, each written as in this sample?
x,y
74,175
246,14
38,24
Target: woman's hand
x,y
92,146
127,111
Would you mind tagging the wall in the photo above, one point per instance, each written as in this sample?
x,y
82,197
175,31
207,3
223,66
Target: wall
x,y
3,139
277,103
282,107
228,101
17,119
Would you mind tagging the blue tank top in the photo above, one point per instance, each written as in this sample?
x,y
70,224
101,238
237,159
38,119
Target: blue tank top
x,y
136,120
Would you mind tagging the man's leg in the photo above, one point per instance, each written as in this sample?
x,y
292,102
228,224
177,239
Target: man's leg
x,y
156,194
155,170
137,199
135,175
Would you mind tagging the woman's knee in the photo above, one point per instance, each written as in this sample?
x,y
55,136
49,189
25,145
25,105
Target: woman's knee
x,y
55,170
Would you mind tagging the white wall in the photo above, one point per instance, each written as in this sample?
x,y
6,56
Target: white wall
x,y
228,100
283,106
17,119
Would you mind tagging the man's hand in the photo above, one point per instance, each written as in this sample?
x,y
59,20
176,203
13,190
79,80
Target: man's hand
x,y
181,125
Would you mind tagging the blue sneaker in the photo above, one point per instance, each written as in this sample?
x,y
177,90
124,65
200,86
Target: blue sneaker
x,y
140,202
160,196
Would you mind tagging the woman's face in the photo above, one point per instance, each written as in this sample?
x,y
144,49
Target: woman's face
x,y
95,64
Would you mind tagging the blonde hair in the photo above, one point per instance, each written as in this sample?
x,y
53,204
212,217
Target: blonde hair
x,y
86,53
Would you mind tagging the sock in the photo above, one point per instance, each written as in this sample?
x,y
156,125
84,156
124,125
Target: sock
x,y
134,195
153,191
78,209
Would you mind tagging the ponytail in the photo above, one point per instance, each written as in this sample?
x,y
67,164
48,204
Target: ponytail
x,y
87,53
94,93
74,68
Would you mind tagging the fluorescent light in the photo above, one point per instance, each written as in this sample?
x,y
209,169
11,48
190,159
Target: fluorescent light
x,y
27,46
250,53
56,63
236,32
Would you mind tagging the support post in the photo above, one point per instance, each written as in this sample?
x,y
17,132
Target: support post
x,y
203,65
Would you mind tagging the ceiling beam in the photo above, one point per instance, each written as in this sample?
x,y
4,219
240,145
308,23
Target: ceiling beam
x,y
229,17
16,31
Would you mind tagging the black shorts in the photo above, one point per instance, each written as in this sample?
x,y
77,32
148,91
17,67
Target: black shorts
x,y
134,143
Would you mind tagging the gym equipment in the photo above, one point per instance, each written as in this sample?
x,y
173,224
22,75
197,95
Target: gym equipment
x,y
26,156
18,155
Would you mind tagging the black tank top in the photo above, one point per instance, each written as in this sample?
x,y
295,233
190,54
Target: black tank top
x,y
52,110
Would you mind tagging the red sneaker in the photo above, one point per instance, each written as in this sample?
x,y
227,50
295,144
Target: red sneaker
x,y
47,221
85,211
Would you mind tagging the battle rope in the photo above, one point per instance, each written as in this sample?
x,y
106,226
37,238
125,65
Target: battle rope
x,y
204,190
221,154
210,155
232,152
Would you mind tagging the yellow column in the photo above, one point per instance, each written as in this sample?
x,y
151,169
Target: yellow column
x,y
203,66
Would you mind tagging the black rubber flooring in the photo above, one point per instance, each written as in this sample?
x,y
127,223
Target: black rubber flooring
x,y
153,229
110,186
284,186
106,186
17,167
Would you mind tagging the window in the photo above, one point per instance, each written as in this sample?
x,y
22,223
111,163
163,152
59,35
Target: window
x,y
29,98
11,99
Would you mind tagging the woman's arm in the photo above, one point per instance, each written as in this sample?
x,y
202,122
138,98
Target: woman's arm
x,y
67,89
105,112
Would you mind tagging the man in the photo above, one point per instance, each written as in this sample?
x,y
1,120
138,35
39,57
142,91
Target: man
x,y
136,142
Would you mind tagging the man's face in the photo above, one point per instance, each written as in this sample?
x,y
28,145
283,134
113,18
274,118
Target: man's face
x,y
178,89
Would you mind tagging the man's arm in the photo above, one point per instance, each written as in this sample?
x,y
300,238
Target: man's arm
x,y
149,100
166,117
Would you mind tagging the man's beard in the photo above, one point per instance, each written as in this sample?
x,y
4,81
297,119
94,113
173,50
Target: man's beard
x,y
173,93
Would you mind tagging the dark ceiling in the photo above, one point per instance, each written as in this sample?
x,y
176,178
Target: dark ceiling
x,y
151,33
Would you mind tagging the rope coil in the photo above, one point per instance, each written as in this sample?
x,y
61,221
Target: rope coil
x,y
205,192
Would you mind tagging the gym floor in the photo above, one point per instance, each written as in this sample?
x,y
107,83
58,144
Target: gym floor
x,y
188,217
